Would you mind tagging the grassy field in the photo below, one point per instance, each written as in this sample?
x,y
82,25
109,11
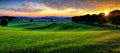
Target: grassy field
x,y
58,38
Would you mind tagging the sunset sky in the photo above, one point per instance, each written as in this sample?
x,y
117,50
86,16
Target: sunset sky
x,y
36,8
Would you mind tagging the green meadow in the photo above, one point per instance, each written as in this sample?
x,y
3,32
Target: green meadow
x,y
58,38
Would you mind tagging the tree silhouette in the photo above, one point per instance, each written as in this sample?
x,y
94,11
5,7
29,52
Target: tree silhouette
x,y
31,19
86,19
115,13
9,18
115,20
4,22
94,18
51,20
76,19
101,19
115,17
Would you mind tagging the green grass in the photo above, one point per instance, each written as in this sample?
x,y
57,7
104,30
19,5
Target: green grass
x,y
58,39
55,26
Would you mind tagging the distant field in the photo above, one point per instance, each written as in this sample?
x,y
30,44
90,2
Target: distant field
x,y
58,38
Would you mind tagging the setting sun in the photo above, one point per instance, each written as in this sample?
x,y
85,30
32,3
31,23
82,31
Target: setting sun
x,y
106,13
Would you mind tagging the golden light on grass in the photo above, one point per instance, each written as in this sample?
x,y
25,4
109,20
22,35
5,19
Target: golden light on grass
x,y
117,49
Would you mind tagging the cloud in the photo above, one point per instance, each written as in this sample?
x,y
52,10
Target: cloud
x,y
64,7
79,4
62,4
88,5
26,7
21,9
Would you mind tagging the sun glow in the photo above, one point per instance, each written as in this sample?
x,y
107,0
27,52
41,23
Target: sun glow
x,y
106,13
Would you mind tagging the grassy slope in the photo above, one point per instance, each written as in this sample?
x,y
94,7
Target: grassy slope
x,y
16,40
55,26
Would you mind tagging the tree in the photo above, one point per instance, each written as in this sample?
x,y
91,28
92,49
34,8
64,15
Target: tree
x,y
31,20
115,17
87,19
115,13
51,20
9,18
4,22
90,19
76,19
101,19
115,20
94,18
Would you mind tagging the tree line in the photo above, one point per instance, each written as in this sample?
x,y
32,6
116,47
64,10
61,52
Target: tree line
x,y
100,19
6,19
